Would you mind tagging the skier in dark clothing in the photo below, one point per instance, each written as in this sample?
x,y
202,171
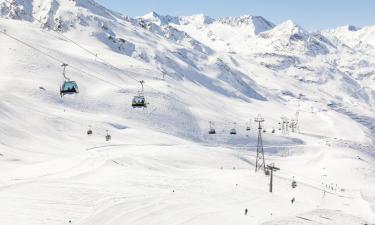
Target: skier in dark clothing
x,y
246,211
293,200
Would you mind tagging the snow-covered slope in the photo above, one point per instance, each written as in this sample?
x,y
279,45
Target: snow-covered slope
x,y
161,166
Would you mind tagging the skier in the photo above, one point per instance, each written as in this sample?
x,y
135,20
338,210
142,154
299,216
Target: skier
x,y
293,200
246,212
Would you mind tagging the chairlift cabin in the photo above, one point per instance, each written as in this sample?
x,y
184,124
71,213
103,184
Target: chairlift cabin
x,y
294,184
248,125
212,129
139,101
68,87
89,131
233,131
108,136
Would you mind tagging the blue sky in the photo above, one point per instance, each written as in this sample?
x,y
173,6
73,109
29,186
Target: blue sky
x,y
310,14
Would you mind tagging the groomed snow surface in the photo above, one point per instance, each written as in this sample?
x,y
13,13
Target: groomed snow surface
x,y
161,166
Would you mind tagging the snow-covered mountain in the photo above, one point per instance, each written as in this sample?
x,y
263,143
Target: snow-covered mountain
x,y
162,166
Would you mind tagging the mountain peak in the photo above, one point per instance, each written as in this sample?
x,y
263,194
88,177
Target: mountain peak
x,y
352,28
197,19
288,28
258,23
290,24
151,14
160,19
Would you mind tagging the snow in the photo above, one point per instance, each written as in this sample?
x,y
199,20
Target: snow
x,y
161,166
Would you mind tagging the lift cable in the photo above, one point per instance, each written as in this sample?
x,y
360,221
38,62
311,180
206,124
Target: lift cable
x,y
58,60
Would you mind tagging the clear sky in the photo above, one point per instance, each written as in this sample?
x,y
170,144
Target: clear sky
x,y
310,14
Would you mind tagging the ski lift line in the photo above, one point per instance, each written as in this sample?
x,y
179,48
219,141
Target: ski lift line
x,y
287,177
66,119
30,46
288,172
273,146
303,178
58,60
300,177
315,187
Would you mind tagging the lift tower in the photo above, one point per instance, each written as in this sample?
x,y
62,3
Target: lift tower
x,y
272,168
260,163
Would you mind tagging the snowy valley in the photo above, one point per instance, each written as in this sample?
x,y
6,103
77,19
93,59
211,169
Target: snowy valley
x,y
161,165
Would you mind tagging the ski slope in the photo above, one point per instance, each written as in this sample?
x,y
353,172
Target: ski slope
x,y
161,166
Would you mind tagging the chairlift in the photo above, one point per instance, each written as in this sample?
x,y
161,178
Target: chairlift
x,y
248,126
212,129
233,131
108,136
68,87
139,101
89,131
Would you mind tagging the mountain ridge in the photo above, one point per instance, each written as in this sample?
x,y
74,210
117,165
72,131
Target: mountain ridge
x,y
92,158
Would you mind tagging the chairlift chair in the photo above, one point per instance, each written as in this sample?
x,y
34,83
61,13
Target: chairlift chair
x,y
108,136
212,129
248,126
89,131
233,131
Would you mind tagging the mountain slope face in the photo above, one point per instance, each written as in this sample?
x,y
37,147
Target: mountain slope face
x,y
161,159
307,57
